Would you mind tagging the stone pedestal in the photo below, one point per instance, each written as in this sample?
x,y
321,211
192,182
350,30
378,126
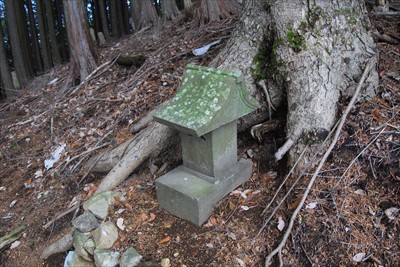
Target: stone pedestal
x,y
191,195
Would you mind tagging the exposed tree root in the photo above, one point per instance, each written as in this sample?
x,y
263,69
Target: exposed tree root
x,y
61,245
278,249
149,142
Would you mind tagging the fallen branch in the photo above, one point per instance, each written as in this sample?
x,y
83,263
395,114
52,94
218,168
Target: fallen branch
x,y
62,214
12,236
278,249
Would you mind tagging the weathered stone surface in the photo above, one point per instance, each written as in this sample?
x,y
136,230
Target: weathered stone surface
x,y
105,235
166,262
99,208
102,40
213,153
74,260
130,258
86,222
207,99
191,195
106,258
89,246
79,240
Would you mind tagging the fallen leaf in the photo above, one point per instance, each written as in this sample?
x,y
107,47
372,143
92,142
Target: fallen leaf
x,y
295,203
281,224
128,206
241,262
311,205
152,217
120,224
143,216
231,205
164,240
391,213
13,203
244,207
15,244
359,257
360,192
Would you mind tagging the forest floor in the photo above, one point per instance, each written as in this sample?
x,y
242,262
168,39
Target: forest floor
x,y
353,208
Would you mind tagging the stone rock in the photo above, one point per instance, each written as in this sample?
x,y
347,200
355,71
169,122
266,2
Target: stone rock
x,y
74,260
79,240
89,246
130,258
106,258
92,34
86,222
105,235
102,40
98,204
165,262
99,208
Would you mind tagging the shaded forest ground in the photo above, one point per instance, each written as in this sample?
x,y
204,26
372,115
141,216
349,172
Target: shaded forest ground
x,y
347,214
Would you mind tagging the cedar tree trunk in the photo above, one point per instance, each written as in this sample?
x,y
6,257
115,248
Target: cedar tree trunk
x,y
104,22
52,32
169,10
81,47
144,14
43,35
4,67
214,10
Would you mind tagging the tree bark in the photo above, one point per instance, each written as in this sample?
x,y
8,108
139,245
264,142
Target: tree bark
x,y
214,10
35,42
114,19
169,10
62,40
16,43
4,67
52,33
144,14
324,49
82,51
43,35
125,17
103,17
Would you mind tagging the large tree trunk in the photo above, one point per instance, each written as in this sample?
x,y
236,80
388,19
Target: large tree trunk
x,y
313,54
169,10
214,10
62,40
324,49
16,43
82,51
144,14
4,67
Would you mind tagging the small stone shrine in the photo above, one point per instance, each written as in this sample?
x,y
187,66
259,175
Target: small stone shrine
x,y
205,112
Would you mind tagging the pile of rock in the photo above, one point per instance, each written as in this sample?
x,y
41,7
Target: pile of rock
x,y
93,238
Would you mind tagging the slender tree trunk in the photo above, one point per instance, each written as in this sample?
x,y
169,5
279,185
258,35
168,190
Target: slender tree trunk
x,y
81,47
96,16
169,10
114,19
104,22
43,35
4,67
35,42
52,33
23,31
62,40
16,44
125,17
144,14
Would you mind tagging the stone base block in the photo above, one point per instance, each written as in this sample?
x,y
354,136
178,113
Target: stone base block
x,y
191,195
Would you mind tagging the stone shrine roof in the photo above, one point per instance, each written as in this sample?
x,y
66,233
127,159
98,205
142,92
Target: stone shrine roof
x,y
207,99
